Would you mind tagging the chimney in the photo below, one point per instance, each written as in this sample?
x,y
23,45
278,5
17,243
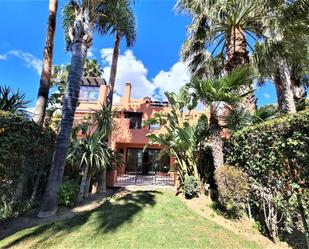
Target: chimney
x,y
127,93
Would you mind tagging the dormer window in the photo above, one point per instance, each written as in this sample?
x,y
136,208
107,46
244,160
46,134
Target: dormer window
x,y
89,93
90,88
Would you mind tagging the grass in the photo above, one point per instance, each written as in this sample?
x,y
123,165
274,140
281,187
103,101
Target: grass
x,y
140,219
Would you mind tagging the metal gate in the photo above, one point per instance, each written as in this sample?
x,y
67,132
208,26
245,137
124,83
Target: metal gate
x,y
143,168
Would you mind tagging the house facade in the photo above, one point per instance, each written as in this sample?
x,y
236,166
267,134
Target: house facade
x,y
142,163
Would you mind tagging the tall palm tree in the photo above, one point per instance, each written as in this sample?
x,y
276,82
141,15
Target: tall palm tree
x,y
80,19
271,64
283,56
123,21
215,92
41,104
222,27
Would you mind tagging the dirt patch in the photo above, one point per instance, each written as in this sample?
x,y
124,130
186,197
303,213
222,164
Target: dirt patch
x,y
242,228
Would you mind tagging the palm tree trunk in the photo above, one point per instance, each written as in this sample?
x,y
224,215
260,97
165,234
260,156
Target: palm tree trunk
x,y
284,87
49,205
113,73
36,183
41,104
215,138
102,182
112,79
83,184
237,55
87,186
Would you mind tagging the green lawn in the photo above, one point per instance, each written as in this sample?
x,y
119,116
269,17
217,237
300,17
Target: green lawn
x,y
141,219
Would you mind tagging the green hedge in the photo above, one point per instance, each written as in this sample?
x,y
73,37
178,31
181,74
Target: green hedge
x,y
25,157
266,149
275,155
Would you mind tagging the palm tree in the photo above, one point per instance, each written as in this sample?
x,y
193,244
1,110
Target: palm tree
x,y
222,27
123,21
271,64
216,92
92,68
41,104
80,19
236,118
12,101
283,55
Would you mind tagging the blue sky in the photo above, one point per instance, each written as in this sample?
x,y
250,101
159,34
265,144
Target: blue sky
x,y
152,66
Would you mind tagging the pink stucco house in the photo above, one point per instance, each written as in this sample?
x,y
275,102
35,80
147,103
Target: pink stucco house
x,y
140,164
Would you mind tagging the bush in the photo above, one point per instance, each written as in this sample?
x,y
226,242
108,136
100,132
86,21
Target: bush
x,y
275,156
25,157
68,192
233,189
191,187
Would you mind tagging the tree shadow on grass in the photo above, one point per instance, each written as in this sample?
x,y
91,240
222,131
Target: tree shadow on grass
x,y
106,218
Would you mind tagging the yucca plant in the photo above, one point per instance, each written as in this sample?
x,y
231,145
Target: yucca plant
x,y
93,155
12,101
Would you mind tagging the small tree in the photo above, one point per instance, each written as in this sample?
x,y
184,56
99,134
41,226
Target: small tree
x,y
215,93
181,140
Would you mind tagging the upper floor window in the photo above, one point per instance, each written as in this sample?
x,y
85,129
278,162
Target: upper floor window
x,y
155,126
89,93
135,119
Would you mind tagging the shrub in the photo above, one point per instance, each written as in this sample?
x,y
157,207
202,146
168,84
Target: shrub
x,y
191,187
68,192
25,157
233,189
275,156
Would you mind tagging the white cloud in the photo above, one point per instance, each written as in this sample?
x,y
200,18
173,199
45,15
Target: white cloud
x,y
173,79
3,57
90,53
130,69
266,96
30,60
